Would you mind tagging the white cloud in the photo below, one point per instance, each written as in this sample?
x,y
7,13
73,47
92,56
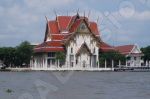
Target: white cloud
x,y
41,4
137,16
145,15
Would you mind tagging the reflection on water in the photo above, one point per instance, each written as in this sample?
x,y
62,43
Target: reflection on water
x,y
75,85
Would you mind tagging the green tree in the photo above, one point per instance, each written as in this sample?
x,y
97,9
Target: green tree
x,y
61,57
16,56
109,56
23,53
7,55
146,52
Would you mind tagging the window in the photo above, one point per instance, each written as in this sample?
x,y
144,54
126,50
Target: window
x,y
71,57
51,54
76,61
71,60
71,50
82,27
94,50
134,58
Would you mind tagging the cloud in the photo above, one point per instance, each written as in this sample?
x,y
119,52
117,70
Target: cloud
x,y
145,15
135,16
45,5
24,19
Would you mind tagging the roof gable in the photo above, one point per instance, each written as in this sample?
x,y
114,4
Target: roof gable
x,y
83,48
136,49
83,27
76,29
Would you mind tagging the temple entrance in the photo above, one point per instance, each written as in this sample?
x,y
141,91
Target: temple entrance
x,y
84,64
84,60
83,56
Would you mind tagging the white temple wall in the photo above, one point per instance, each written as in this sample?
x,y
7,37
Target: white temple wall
x,y
76,43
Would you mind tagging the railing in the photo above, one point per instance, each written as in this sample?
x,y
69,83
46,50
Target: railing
x,y
80,66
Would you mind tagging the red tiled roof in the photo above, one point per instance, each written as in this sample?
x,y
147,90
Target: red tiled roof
x,y
63,22
94,28
49,46
58,37
50,43
75,25
104,47
126,49
48,50
53,27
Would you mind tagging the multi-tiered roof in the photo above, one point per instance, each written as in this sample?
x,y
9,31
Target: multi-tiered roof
x,y
62,28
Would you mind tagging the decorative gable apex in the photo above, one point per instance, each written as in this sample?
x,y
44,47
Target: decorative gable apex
x,y
136,49
83,28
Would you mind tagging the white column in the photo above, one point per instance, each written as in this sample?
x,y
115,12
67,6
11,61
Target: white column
x,y
58,64
105,63
112,64
31,64
91,61
43,63
46,62
74,61
97,62
35,63
146,63
119,63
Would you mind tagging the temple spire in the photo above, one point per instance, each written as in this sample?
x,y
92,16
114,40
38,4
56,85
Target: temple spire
x,y
47,35
89,14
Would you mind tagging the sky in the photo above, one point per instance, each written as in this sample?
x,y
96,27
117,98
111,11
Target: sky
x,y
120,22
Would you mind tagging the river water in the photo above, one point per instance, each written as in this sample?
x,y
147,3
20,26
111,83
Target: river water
x,y
74,85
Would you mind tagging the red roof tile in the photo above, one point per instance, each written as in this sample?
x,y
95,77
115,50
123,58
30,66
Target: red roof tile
x,y
50,43
48,50
104,47
58,37
53,27
75,25
49,46
126,49
63,22
94,28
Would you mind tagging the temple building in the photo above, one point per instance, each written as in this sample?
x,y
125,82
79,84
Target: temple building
x,y
133,55
78,39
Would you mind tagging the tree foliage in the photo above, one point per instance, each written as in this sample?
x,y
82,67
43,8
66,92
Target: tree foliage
x,y
61,57
7,55
109,56
146,52
17,56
